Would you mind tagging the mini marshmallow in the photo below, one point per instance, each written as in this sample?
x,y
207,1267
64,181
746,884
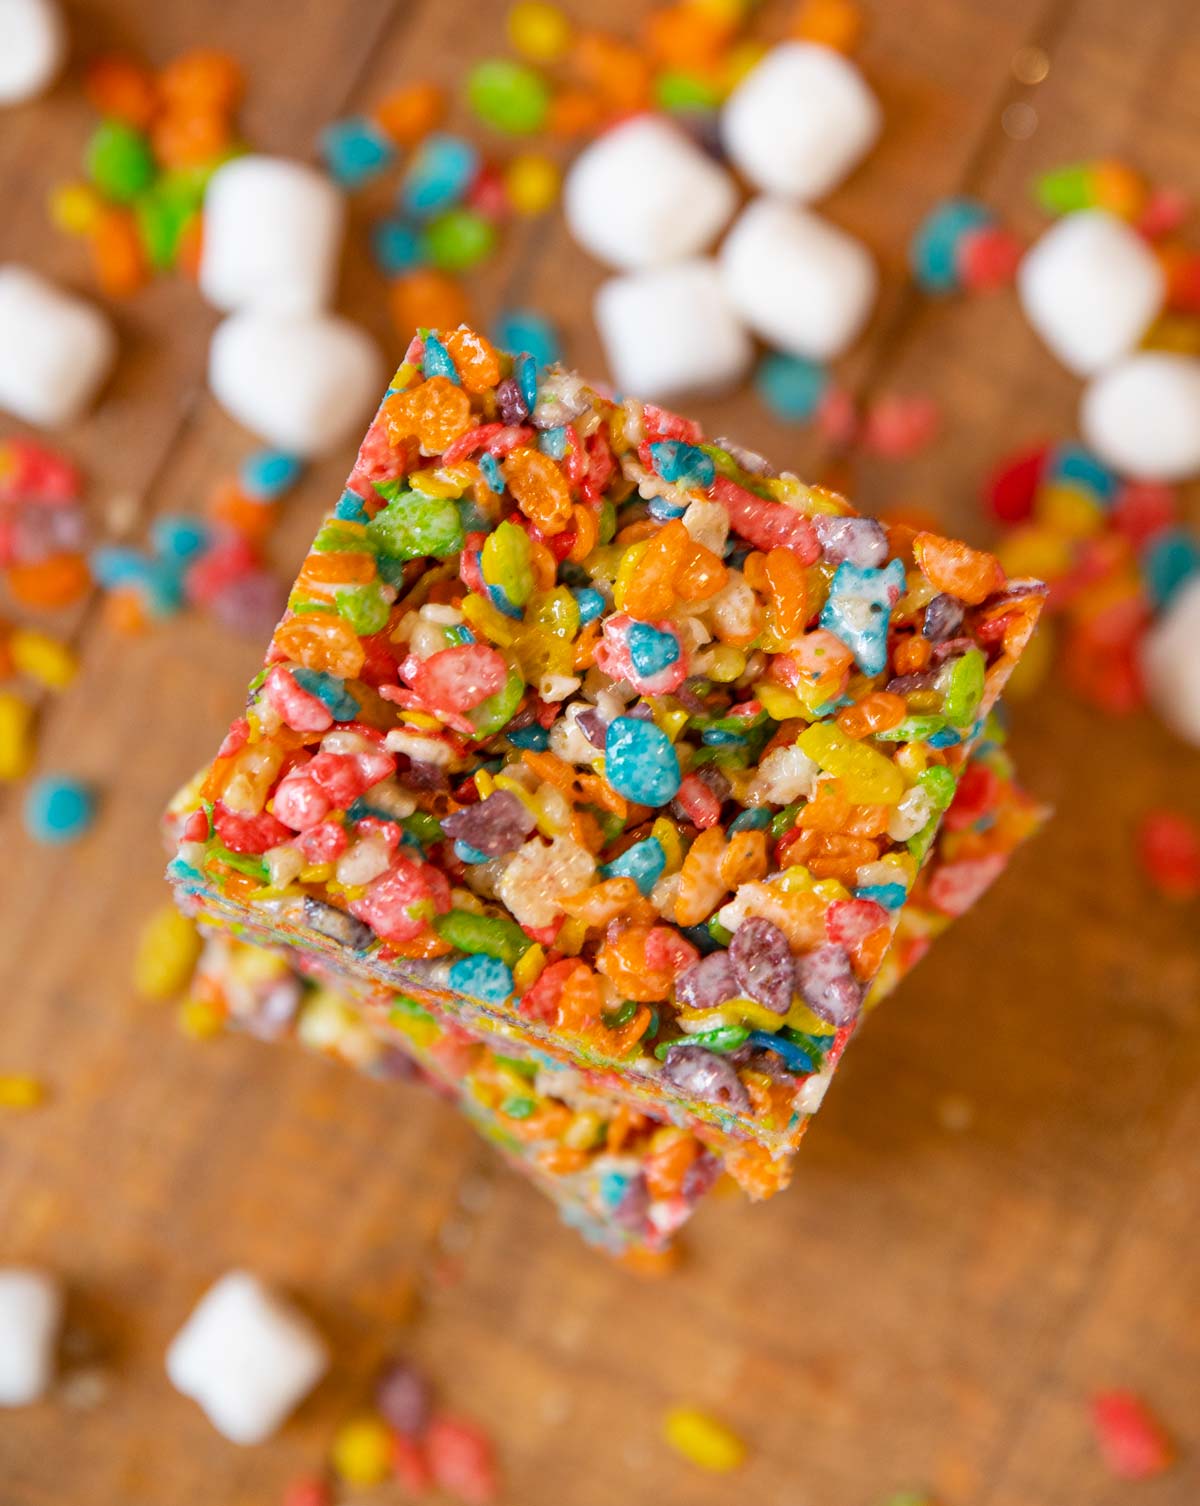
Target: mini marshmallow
x,y
800,121
55,349
30,1316
302,384
247,1357
272,236
1171,663
643,194
801,283
671,330
33,43
1142,416
1090,287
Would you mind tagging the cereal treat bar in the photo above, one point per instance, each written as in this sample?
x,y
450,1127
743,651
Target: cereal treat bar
x,y
581,724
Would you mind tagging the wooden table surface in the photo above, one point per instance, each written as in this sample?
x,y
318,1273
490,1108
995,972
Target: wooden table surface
x,y
995,1213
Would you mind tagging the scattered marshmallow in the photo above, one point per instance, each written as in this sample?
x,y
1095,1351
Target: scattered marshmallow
x,y
55,349
33,43
800,121
1171,663
669,331
30,1316
643,194
302,384
272,236
1090,287
801,283
1142,416
247,1357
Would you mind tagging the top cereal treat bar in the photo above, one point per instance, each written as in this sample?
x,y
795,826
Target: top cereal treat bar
x,y
580,723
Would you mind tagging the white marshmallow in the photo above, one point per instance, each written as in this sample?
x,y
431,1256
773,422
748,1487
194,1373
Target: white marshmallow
x,y
30,1315
1142,416
801,283
671,330
643,194
1090,287
247,1357
272,236
55,349
33,43
302,384
1171,663
800,121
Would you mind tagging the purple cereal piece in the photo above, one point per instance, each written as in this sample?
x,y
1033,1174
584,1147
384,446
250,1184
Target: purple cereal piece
x,y
952,648
716,781
943,617
750,461
701,1176
495,826
328,920
275,1011
510,403
708,983
592,725
762,962
426,776
251,604
906,684
704,1075
631,1211
862,541
826,983
403,1399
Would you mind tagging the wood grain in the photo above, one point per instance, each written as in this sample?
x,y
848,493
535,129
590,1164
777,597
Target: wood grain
x,y
928,1306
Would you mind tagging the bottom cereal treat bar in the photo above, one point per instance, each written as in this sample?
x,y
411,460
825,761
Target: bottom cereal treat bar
x,y
622,1177
590,728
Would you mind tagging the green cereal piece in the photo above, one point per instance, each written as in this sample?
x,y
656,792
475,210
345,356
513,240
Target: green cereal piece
x,y
414,526
964,688
489,934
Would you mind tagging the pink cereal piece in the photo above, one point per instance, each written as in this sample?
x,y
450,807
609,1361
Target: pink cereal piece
x,y
462,1460
1164,212
661,423
399,904
837,416
954,887
698,802
325,842
456,679
299,802
668,949
613,658
1133,1442
298,709
766,525
466,444
346,776
248,834
235,738
849,921
377,459
897,426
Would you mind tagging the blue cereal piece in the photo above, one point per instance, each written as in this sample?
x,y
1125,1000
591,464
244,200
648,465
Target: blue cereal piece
x,y
890,896
490,467
436,361
1169,562
481,977
753,819
640,761
859,608
933,254
651,650
267,474
590,603
791,386
533,737
180,539
397,246
350,509
1074,463
553,442
664,509
643,863
58,809
329,690
526,372
685,464
465,853
439,173
795,1058
355,151
518,330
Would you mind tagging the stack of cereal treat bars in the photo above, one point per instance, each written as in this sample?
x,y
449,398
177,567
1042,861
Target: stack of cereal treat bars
x,y
604,776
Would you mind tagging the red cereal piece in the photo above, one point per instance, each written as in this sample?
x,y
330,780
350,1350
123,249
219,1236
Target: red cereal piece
x,y
308,1491
462,1460
1132,1440
837,416
897,426
1168,848
411,1466
1144,509
1011,489
987,258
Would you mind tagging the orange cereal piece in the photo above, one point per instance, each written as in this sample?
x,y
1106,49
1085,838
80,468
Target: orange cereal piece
x,y
833,23
602,902
639,1260
876,712
427,299
191,244
622,960
787,586
828,810
617,71
202,80
703,574
412,112
125,612
53,582
744,859
833,854
336,569
476,360
322,641
586,523
580,1002
757,1172
435,413
574,113
562,1160
688,36
867,954
651,593
671,1154
912,654
970,574
701,887
120,88
230,505
193,139
117,254
540,488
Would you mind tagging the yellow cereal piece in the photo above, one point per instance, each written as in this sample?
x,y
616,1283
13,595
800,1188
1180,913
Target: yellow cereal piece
x,y
830,890
1070,510
666,834
485,783
531,182
726,664
16,736
626,570
779,704
42,658
538,31
75,208
200,1020
528,967
362,1451
20,1092
403,375
316,873
702,1440
167,951
867,776
794,880
571,936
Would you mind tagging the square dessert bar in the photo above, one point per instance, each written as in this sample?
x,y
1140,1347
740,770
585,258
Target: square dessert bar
x,y
587,728
624,1178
